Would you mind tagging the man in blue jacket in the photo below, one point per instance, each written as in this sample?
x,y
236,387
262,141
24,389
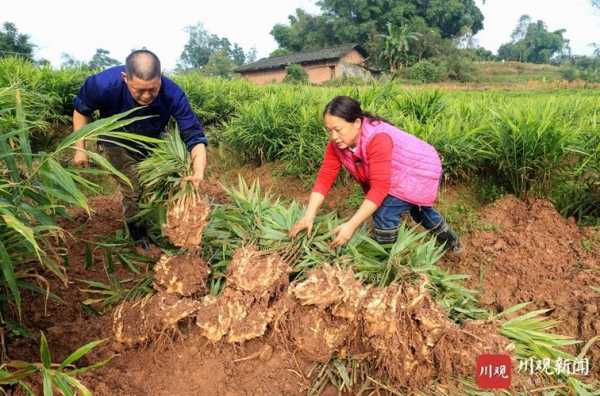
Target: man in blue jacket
x,y
121,88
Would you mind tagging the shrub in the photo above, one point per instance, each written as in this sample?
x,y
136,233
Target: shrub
x,y
459,68
569,74
426,71
591,75
296,75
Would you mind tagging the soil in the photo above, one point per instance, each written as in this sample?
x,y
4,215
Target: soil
x,y
288,187
184,274
263,336
535,255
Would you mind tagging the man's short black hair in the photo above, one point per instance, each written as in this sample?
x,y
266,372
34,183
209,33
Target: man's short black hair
x,y
142,64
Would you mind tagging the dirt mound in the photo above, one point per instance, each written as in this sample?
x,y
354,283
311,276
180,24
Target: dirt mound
x,y
317,334
320,313
176,279
186,219
184,274
192,366
402,330
535,255
148,319
213,190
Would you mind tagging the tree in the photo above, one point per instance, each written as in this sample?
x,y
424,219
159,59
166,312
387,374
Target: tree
x,y
364,21
481,54
101,60
69,61
202,45
238,56
251,55
13,43
521,30
306,31
279,52
219,65
396,44
532,42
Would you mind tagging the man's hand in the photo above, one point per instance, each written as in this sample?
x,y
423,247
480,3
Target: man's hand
x,y
305,223
81,158
194,179
198,165
342,234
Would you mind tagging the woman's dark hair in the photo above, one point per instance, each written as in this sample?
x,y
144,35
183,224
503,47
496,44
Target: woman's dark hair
x,y
349,109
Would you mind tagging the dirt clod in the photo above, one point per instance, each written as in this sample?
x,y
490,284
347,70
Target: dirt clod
x,y
186,219
184,275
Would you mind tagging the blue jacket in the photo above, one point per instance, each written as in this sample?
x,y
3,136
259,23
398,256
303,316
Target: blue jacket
x,y
107,93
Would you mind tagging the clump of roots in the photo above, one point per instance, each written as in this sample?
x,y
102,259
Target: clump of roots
x,y
186,218
150,318
398,329
405,333
321,311
414,341
244,309
184,275
262,274
331,287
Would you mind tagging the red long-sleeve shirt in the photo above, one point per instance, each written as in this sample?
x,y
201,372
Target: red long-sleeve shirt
x,y
376,184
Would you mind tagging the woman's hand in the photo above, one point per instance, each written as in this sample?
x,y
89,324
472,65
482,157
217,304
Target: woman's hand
x,y
305,223
342,234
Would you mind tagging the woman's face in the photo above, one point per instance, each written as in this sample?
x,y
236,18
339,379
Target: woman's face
x,y
341,132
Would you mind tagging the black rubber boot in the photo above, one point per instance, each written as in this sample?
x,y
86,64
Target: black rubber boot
x,y
138,233
385,236
446,235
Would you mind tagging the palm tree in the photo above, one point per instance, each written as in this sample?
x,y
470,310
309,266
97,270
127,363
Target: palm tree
x,y
396,45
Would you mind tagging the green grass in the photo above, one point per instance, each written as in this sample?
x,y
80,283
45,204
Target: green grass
x,y
515,72
525,142
61,377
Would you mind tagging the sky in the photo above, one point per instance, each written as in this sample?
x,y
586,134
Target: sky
x,y
79,27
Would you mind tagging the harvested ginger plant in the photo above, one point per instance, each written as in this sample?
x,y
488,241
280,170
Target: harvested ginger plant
x,y
185,274
404,333
399,329
186,218
321,311
145,320
245,307
258,273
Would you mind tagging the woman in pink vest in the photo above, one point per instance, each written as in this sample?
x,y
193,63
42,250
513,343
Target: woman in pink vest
x,y
398,172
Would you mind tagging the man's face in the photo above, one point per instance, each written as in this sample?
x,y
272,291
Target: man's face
x,y
143,92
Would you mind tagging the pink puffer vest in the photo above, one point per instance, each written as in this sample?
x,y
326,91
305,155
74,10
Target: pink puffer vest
x,y
416,165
